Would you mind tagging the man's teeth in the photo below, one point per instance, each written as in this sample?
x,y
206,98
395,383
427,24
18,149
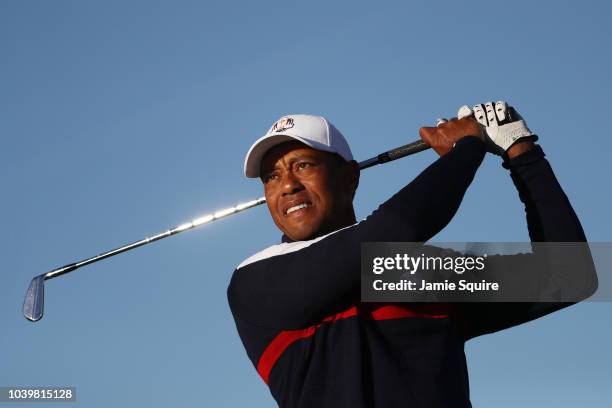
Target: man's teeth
x,y
297,207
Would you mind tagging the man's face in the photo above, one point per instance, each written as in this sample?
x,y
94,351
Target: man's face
x,y
309,192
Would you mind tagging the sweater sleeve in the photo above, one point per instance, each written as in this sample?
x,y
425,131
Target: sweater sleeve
x,y
296,285
550,218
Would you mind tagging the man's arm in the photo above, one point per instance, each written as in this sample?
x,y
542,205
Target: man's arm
x,y
550,218
298,288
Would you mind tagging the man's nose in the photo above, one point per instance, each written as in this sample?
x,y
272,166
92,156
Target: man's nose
x,y
291,184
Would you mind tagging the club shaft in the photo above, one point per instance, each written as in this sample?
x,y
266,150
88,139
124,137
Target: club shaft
x,y
147,240
385,157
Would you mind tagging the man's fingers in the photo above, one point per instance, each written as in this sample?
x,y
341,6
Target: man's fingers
x,y
464,112
440,121
501,110
513,115
432,137
426,133
480,115
490,114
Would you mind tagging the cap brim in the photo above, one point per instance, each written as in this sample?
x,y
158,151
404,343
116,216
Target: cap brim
x,y
252,162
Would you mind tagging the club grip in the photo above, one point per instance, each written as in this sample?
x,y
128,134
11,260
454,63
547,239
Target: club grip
x,y
394,154
406,150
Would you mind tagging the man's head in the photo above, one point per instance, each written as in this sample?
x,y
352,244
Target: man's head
x,y
308,175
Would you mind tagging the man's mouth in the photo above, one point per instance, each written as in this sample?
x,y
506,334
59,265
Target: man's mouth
x,y
297,207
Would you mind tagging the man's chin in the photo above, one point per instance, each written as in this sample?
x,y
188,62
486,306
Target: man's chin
x,y
302,237
303,234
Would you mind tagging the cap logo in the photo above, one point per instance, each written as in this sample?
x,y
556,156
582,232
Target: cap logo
x,y
282,124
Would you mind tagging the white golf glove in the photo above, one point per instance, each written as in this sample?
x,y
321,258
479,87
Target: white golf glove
x,y
502,123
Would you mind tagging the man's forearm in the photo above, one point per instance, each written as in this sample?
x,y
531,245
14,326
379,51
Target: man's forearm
x,y
550,216
430,201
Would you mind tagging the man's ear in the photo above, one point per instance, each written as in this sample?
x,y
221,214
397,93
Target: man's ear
x,y
352,175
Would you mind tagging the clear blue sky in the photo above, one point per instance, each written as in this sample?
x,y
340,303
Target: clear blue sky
x,y
119,119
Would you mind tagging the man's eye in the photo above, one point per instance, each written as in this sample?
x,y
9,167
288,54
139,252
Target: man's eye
x,y
303,165
270,177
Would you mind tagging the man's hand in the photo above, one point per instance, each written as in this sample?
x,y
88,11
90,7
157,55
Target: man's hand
x,y
505,129
443,137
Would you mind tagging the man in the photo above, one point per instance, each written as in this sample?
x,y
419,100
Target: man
x,y
297,304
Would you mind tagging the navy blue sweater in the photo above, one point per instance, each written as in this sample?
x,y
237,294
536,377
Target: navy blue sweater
x,y
298,312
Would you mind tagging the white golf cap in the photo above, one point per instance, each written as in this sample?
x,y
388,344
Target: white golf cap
x,y
314,131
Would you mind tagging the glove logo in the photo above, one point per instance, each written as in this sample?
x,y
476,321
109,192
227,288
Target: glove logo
x,y
282,124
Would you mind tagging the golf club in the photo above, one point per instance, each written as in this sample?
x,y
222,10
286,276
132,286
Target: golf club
x,y
33,305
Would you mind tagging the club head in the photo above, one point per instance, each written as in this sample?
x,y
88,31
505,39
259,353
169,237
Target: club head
x,y
35,299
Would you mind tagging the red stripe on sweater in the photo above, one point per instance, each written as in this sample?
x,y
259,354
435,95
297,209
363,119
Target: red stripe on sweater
x,y
287,337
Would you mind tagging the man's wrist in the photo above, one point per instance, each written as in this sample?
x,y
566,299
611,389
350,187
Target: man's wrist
x,y
520,147
527,158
